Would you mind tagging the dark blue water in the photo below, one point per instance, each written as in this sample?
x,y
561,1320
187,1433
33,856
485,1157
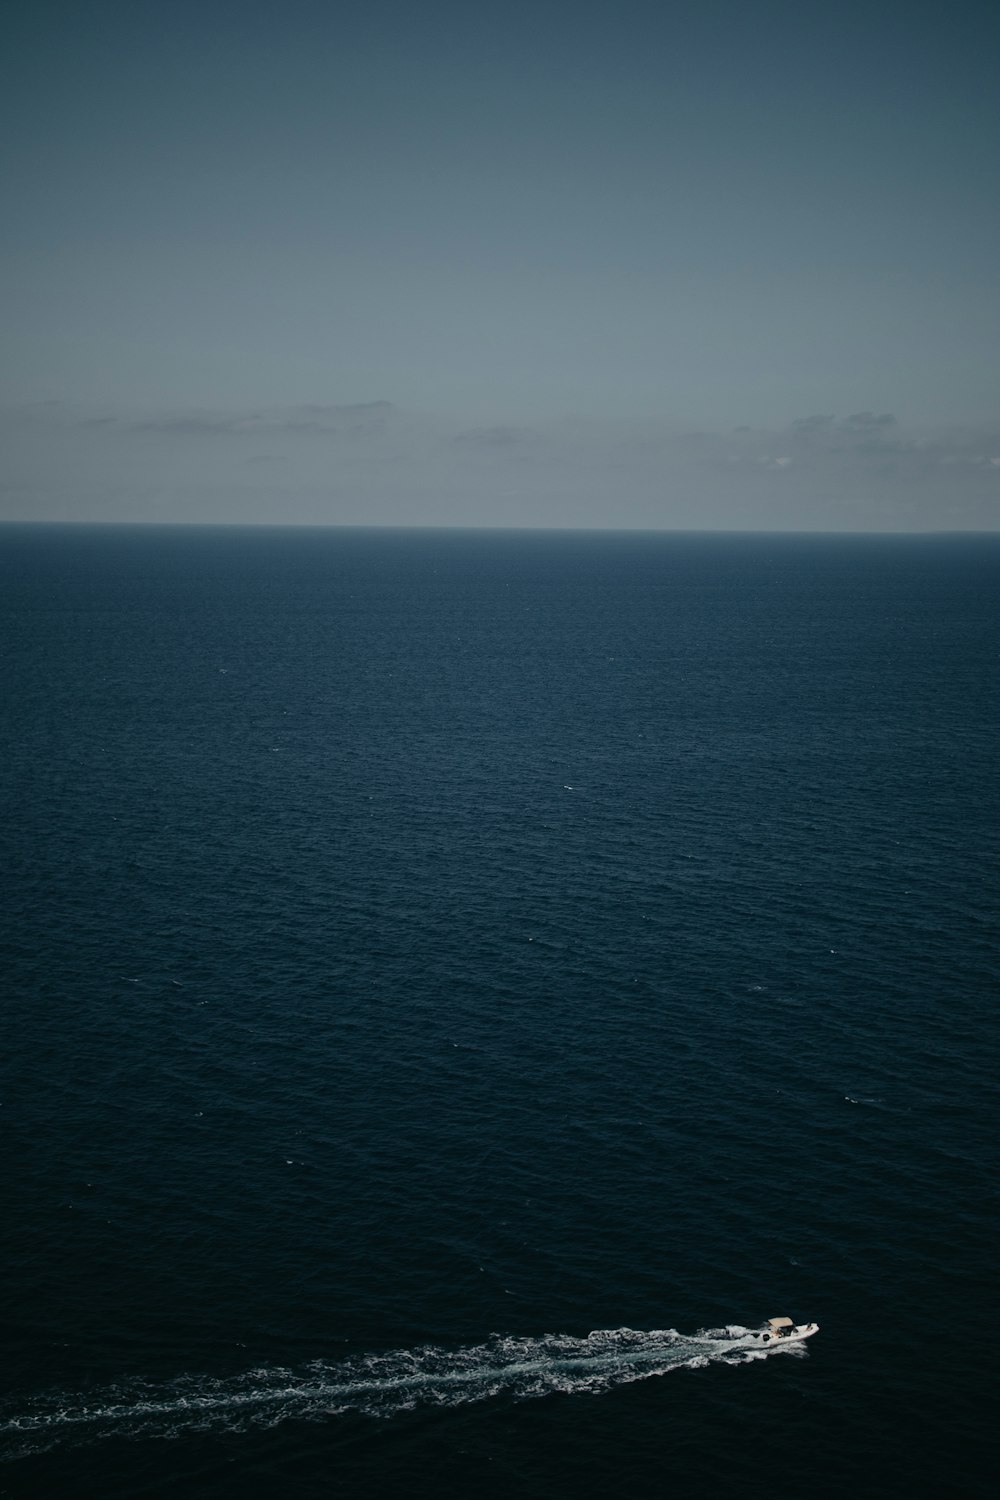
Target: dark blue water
x,y
457,985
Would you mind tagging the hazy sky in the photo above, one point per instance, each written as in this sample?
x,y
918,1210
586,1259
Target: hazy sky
x,y
573,247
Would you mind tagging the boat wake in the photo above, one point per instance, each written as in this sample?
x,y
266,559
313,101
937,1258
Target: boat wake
x,y
373,1385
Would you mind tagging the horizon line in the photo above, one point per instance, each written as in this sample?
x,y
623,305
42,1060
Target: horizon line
x,y
381,526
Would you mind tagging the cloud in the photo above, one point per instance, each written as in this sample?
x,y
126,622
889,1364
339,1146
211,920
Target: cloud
x,y
196,426
867,421
805,427
359,419
372,462
862,444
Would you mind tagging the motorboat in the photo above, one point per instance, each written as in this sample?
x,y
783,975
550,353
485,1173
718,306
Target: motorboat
x,y
784,1331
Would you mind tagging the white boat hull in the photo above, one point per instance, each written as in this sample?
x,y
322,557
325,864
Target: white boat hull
x,y
793,1335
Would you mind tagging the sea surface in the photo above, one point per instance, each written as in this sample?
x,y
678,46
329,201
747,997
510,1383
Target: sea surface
x,y
457,985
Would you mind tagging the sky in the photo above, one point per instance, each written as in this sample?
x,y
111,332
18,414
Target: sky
x,y
707,264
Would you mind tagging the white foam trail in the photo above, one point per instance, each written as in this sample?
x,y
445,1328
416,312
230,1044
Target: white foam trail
x,y
376,1384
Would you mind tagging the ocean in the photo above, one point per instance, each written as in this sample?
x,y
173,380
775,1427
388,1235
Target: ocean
x,y
458,985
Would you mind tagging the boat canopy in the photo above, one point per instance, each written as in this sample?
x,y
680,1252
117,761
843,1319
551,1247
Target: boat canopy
x,y
780,1323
